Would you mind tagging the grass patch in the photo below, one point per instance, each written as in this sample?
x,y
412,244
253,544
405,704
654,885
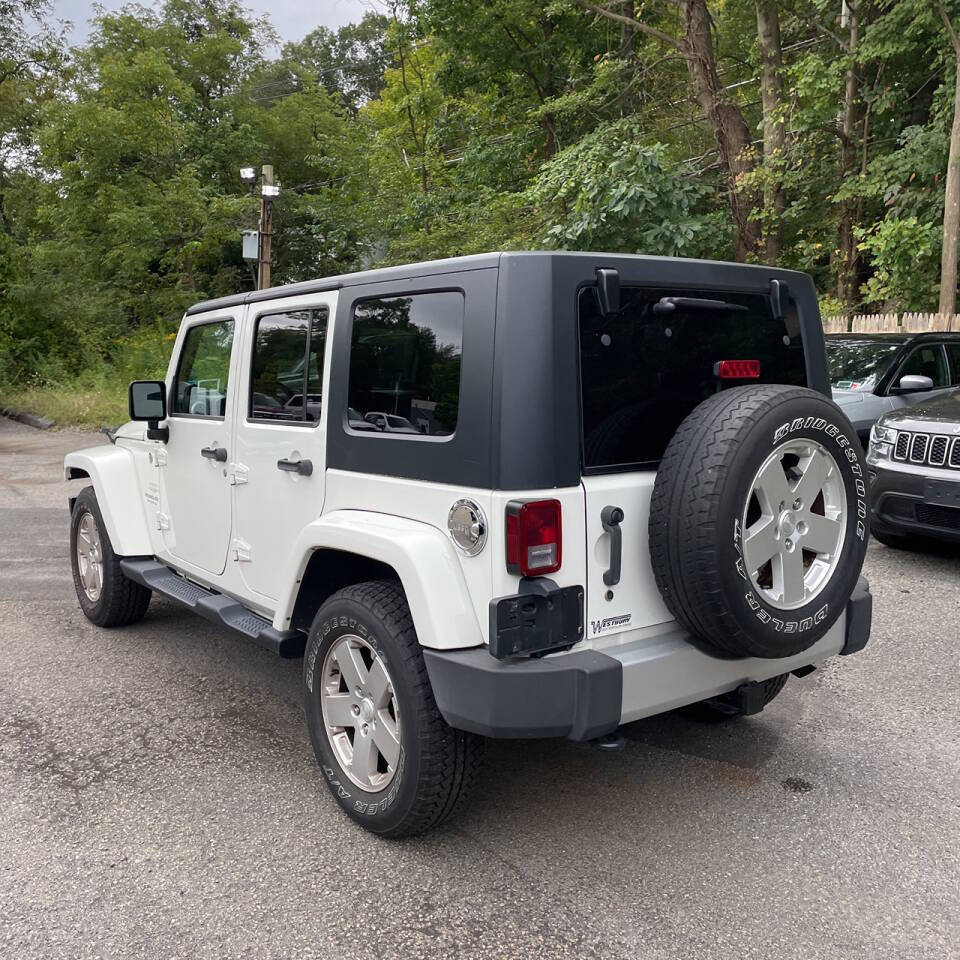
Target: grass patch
x,y
85,402
97,396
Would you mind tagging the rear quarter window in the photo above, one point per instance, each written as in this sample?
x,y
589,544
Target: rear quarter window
x,y
642,372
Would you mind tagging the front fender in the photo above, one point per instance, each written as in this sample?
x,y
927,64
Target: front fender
x,y
114,476
424,559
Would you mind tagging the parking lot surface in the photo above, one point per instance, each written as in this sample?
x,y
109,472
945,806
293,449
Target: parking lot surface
x,y
160,799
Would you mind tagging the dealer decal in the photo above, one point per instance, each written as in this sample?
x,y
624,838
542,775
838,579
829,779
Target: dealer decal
x,y
610,623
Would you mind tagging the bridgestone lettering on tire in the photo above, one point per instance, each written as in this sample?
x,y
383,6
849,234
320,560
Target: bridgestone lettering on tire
x,y
758,520
366,687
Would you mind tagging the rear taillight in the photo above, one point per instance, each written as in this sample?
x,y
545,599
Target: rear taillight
x,y
737,369
534,537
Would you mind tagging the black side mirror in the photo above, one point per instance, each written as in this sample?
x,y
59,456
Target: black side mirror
x,y
608,290
148,401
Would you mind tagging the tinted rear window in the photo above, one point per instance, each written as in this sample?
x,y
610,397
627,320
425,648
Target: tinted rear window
x,y
642,372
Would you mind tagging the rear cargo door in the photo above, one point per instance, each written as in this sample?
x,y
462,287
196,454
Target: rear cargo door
x,y
643,369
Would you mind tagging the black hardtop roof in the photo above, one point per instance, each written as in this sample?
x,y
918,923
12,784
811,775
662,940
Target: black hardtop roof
x,y
428,268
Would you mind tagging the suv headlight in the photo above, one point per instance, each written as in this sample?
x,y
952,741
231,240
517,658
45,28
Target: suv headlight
x,y
882,440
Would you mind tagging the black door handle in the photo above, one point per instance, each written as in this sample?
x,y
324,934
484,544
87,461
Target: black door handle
x,y
214,453
611,518
303,467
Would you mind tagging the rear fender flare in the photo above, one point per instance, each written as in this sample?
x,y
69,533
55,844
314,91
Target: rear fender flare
x,y
423,558
114,477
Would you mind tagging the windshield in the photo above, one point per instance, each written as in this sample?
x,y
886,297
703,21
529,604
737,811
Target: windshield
x,y
859,364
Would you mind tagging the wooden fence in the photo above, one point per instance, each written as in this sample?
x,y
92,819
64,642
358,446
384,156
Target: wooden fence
x,y
892,323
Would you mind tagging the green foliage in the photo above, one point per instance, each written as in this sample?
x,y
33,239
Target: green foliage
x,y
610,192
904,252
442,127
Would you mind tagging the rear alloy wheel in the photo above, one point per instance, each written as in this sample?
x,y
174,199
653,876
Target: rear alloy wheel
x,y
387,755
758,520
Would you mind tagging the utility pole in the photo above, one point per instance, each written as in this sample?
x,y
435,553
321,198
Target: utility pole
x,y
267,193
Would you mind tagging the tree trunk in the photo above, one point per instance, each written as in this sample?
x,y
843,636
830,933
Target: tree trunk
x,y
774,131
847,256
951,209
729,128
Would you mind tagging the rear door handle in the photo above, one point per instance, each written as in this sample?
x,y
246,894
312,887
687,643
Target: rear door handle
x,y
611,518
214,453
303,467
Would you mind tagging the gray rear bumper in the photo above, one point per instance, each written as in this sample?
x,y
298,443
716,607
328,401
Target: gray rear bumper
x,y
583,694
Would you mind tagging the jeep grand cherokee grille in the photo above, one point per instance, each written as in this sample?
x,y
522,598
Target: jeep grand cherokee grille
x,y
935,450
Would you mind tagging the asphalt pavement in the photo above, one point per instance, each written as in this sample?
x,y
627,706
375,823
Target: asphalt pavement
x,y
159,797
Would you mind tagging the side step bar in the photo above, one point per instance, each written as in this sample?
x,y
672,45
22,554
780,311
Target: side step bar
x,y
215,607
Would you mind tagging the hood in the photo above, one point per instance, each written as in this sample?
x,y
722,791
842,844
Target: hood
x,y
940,413
846,397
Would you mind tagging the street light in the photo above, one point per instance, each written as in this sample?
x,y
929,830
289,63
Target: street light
x,y
264,236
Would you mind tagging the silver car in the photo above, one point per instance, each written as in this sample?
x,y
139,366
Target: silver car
x,y
874,373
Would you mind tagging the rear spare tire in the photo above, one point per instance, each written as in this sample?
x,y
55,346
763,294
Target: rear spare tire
x,y
758,520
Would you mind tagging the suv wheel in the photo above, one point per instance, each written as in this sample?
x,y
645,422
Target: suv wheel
x,y
387,755
758,520
106,596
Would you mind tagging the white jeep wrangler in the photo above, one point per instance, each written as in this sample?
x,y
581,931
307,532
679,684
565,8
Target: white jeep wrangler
x,y
507,495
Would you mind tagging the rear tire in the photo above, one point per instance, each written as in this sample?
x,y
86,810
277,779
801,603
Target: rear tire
x,y
107,598
367,690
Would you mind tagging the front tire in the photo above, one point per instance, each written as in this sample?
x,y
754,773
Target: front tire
x,y
387,755
106,596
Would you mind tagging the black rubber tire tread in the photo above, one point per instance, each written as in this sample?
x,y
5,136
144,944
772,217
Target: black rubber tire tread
x,y
683,529
895,541
450,759
122,601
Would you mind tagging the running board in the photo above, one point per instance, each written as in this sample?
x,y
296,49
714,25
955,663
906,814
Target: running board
x,y
215,607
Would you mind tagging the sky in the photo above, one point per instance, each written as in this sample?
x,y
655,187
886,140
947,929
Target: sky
x,y
293,19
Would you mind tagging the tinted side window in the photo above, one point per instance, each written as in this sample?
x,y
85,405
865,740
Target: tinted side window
x,y
405,364
286,371
927,361
953,349
201,387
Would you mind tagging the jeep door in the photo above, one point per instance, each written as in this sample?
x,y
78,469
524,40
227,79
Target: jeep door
x,y
195,494
279,442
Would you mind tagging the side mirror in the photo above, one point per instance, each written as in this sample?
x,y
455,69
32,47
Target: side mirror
x,y
914,383
148,401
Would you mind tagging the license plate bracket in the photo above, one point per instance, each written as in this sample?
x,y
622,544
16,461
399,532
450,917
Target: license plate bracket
x,y
945,493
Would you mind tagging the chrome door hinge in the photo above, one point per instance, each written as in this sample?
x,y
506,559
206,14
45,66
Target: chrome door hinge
x,y
238,474
241,550
163,521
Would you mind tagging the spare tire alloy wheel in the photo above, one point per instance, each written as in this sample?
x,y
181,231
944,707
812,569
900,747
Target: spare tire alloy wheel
x,y
793,524
758,520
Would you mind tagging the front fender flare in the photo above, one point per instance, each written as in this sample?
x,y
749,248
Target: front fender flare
x,y
114,476
424,559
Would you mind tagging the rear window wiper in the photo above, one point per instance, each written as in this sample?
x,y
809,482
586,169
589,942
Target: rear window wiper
x,y
669,304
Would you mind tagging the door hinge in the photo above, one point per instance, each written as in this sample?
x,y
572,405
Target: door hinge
x,y
238,474
159,456
241,550
163,521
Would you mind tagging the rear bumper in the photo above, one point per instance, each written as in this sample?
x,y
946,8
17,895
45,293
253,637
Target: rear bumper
x,y
584,694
